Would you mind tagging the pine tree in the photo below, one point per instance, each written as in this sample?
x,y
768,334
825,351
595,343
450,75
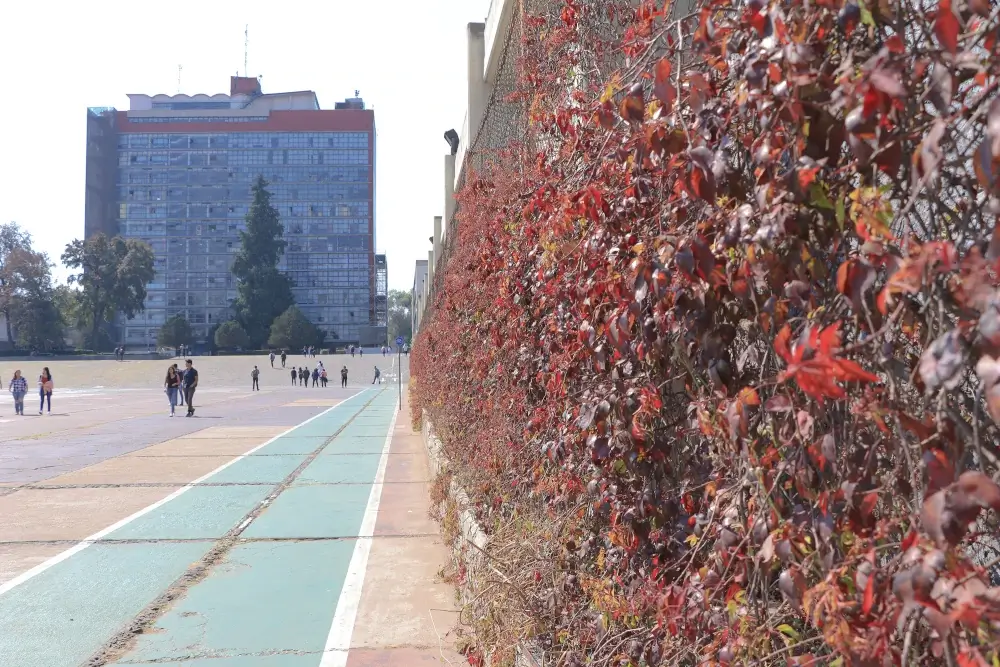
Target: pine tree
x,y
263,291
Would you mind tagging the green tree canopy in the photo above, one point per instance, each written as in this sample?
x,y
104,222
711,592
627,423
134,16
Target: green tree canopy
x,y
25,284
264,292
291,330
400,323
113,274
174,332
231,335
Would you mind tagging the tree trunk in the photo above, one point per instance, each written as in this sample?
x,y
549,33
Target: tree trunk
x,y
10,330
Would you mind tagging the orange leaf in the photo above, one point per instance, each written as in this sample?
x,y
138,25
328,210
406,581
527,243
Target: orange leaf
x,y
868,504
781,344
749,396
869,599
662,86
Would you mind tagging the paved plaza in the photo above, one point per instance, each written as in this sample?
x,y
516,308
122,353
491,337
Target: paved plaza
x,y
282,528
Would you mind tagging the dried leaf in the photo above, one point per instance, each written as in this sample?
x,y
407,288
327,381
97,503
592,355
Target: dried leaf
x,y
663,87
633,106
942,362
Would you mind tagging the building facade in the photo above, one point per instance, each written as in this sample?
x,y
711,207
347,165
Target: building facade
x,y
176,172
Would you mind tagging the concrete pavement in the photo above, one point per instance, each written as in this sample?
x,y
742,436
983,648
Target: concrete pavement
x,y
285,527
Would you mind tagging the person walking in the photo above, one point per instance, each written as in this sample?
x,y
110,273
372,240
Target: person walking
x,y
295,376
343,376
255,376
304,376
190,379
315,375
45,386
180,386
378,376
18,388
322,378
272,358
172,386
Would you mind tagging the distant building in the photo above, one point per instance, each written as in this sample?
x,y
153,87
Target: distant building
x,y
176,171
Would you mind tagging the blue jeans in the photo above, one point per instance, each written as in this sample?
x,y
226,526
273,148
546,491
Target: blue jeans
x,y
172,397
19,402
45,395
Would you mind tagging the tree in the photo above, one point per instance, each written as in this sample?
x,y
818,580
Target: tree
x,y
263,291
113,276
231,335
400,323
291,330
39,324
68,302
175,332
24,275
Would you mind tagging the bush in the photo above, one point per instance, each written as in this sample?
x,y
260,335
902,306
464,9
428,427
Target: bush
x,y
291,331
714,345
231,335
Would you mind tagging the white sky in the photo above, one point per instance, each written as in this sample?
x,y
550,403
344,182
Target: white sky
x,y
407,57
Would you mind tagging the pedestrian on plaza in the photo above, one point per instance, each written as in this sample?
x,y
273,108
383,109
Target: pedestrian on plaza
x,y
361,351
322,378
45,386
303,374
315,375
255,376
295,376
284,355
272,358
190,384
180,387
343,376
378,376
172,386
19,388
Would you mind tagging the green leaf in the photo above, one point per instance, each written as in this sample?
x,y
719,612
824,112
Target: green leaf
x,y
788,631
818,196
839,212
866,15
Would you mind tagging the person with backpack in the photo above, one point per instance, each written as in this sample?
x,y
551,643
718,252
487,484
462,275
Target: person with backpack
x,y
255,376
45,386
378,376
315,375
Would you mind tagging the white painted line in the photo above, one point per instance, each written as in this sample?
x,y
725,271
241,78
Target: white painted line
x,y
101,534
338,642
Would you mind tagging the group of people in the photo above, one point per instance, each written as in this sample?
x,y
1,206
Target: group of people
x,y
18,388
180,385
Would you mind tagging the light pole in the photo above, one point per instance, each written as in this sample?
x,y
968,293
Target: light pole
x,y
399,366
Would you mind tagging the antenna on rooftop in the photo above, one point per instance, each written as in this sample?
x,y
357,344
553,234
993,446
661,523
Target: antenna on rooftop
x,y
246,47
179,68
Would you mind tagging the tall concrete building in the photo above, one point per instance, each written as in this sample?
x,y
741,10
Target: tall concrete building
x,y
176,171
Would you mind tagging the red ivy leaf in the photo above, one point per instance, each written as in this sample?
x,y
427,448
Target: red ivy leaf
x,y
946,27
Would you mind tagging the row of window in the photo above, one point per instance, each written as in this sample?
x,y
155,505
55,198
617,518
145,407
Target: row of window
x,y
179,193
134,175
246,140
238,158
335,227
129,212
147,336
195,119
180,280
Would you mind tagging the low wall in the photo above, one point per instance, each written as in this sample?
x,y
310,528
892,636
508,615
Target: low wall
x,y
469,551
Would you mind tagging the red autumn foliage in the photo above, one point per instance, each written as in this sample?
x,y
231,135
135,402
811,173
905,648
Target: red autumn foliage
x,y
714,345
